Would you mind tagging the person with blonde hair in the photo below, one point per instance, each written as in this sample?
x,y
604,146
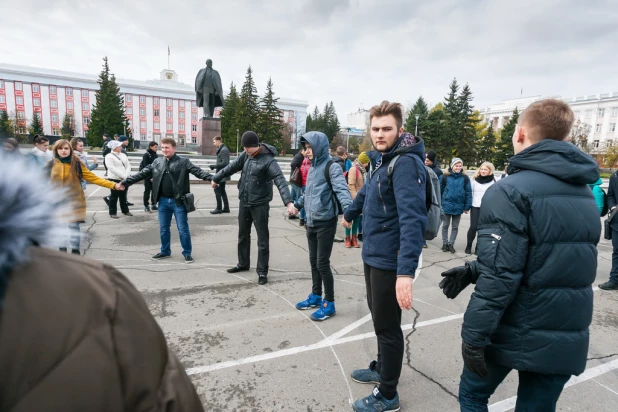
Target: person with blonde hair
x,y
482,180
66,170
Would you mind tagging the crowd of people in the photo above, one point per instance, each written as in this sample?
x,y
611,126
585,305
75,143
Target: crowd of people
x,y
520,316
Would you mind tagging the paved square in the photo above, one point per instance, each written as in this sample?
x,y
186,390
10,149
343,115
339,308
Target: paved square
x,y
248,349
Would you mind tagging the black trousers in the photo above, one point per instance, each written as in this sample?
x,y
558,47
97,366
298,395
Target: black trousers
x,y
474,223
148,194
320,240
221,196
258,216
114,197
386,315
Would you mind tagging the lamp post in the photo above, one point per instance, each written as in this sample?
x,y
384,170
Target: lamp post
x,y
237,136
416,128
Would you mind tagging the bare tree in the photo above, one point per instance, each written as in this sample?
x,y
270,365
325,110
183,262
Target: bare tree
x,y
579,136
611,155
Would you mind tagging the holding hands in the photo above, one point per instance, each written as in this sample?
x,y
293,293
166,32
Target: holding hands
x,y
292,211
214,185
345,223
119,186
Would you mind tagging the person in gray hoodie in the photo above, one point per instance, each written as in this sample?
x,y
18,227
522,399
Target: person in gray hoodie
x,y
326,188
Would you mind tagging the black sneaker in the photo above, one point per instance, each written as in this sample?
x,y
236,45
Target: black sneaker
x,y
609,285
159,256
188,259
226,210
75,252
237,269
146,209
359,237
262,279
445,247
106,200
154,207
302,222
130,204
128,214
468,250
451,249
292,217
216,212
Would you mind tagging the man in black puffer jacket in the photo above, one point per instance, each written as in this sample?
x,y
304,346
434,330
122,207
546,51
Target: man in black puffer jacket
x,y
537,259
255,191
149,157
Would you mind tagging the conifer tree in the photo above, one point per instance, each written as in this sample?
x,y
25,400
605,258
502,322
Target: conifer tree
x,y
504,147
228,118
248,111
36,127
420,109
68,127
7,128
270,124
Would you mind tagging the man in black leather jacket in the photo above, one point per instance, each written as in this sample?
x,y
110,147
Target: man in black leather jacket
x,y
223,159
170,182
149,157
255,191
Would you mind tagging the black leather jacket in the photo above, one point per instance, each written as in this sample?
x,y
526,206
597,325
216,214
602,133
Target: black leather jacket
x,y
148,158
223,159
180,167
255,186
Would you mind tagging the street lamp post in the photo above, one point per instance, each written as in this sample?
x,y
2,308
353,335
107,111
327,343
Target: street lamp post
x,y
416,128
237,135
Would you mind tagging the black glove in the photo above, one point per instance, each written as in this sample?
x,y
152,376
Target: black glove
x,y
212,167
474,359
455,280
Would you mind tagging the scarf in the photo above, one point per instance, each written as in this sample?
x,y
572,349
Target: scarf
x,y
360,167
485,179
64,160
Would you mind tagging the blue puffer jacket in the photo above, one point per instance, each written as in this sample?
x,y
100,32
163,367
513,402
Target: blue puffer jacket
x,y
537,258
318,200
457,195
394,215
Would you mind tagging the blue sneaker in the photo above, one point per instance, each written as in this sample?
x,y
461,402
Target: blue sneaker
x,y
312,301
369,375
326,311
377,403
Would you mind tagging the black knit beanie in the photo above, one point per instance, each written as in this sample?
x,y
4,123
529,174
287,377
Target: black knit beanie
x,y
250,139
431,155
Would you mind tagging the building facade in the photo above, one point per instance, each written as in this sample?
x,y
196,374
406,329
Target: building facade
x,y
599,111
154,108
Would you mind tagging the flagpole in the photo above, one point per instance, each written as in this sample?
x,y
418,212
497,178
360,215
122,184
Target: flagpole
x,y
168,57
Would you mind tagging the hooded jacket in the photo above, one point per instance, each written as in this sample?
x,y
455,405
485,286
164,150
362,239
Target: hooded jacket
x,y
598,193
149,157
76,334
457,193
537,259
394,213
318,200
255,186
223,159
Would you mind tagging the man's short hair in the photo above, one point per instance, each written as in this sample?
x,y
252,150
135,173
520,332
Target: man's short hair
x,y
340,151
105,135
218,138
387,108
40,139
169,140
152,144
547,119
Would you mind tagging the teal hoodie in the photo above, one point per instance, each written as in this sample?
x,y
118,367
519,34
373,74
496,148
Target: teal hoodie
x,y
599,194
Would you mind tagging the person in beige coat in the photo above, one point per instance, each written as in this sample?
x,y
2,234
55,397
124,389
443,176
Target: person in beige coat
x,y
76,334
118,169
356,180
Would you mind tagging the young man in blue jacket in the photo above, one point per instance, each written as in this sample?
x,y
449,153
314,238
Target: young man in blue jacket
x,y
321,211
394,222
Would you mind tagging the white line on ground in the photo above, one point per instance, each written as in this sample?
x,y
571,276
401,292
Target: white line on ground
x,y
591,373
606,387
95,190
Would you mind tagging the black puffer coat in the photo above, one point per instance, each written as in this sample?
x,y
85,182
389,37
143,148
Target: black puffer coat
x,y
255,186
537,259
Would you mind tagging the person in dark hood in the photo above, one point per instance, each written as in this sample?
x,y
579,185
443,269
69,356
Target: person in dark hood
x,y
430,161
394,223
149,157
537,259
255,191
76,334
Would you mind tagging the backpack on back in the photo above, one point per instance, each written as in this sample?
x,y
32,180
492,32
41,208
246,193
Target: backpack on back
x,y
332,193
433,199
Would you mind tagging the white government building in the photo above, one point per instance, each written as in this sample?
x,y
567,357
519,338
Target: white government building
x,y
154,108
600,111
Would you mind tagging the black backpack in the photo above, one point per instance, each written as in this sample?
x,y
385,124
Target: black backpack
x,y
332,193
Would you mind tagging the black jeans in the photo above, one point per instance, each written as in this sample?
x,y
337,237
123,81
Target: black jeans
x,y
221,196
116,195
320,241
613,274
536,391
386,315
148,194
474,223
257,215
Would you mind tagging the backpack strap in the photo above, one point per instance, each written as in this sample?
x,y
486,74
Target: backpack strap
x,y
327,173
443,183
391,169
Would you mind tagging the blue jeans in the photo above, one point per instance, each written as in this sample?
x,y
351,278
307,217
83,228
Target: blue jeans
x,y
167,208
536,391
296,193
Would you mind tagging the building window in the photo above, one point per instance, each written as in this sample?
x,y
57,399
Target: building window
x,y
181,127
19,100
612,127
614,111
52,90
36,102
181,103
129,110
142,136
1,84
157,125
19,86
85,107
142,125
86,120
69,91
142,112
193,116
142,99
155,101
170,127
53,103
169,102
598,128
595,144
54,118
169,114
35,88
194,128
156,112
193,104
56,132
588,113
69,105
181,115
21,115
600,112
193,139
85,93
128,98
2,98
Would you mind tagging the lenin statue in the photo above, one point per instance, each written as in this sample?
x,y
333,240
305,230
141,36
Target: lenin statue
x,y
208,90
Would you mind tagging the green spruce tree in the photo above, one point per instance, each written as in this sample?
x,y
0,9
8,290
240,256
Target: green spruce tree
x,y
68,127
420,108
466,144
36,127
228,118
309,122
434,132
504,147
331,127
108,111
487,145
270,124
452,120
248,111
7,128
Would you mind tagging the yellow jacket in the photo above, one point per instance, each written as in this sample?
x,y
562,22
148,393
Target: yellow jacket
x,y
62,176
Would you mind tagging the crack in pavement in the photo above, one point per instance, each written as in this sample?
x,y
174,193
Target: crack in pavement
x,y
603,357
295,244
409,357
441,261
89,238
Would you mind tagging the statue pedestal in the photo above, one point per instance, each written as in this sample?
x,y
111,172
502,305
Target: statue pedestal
x,y
208,128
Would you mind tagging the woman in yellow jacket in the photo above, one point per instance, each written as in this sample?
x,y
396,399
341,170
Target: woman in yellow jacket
x,y
66,171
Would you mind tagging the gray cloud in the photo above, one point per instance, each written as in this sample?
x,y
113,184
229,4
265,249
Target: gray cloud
x,y
350,52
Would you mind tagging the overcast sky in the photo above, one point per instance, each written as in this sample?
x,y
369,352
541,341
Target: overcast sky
x,y
353,52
